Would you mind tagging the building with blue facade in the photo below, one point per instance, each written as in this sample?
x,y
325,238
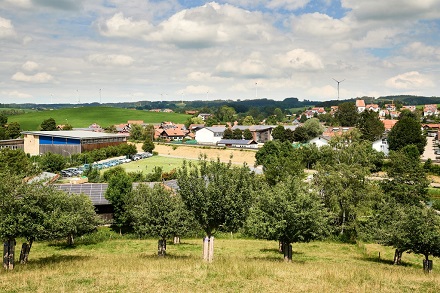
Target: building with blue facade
x,y
68,142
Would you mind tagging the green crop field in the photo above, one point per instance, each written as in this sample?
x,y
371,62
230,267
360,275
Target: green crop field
x,y
84,116
107,262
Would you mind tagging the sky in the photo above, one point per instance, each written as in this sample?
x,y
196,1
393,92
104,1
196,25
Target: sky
x,y
70,51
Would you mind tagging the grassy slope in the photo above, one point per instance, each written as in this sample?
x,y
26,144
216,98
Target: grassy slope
x,y
147,165
84,116
129,265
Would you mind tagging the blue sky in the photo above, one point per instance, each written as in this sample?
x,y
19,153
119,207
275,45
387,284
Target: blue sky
x,y
62,51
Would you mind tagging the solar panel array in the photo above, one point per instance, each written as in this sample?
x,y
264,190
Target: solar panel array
x,y
95,191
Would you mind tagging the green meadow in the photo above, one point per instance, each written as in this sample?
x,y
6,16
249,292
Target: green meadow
x,y
107,262
84,116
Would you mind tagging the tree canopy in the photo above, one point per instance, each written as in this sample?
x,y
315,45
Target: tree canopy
x,y
405,132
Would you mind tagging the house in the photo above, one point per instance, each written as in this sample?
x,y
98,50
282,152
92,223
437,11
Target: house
x,y
173,134
411,108
204,116
388,124
210,135
430,110
360,105
333,110
390,107
238,143
68,142
372,107
12,144
320,141
318,110
381,145
191,112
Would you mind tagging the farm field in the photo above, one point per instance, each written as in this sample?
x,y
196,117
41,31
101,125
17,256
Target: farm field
x,y
240,265
84,116
147,165
193,152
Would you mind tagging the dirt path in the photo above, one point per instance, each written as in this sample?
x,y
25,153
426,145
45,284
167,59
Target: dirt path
x,y
193,152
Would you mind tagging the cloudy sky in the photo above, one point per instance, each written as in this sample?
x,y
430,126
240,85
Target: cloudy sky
x,y
62,51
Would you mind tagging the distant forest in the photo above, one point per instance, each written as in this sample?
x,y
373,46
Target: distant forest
x,y
240,106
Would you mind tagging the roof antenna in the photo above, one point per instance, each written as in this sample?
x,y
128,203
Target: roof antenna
x,y
338,85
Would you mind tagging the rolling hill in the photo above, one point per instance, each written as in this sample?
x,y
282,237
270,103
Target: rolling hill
x,y
84,116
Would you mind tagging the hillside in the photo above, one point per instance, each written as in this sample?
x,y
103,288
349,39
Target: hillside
x,y
84,116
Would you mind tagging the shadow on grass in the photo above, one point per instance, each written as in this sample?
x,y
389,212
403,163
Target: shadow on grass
x,y
384,261
274,250
168,256
55,259
278,259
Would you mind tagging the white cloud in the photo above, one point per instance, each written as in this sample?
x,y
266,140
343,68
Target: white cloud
x,y
120,26
287,4
301,59
196,89
322,25
252,67
214,24
41,77
401,10
111,59
60,4
409,80
6,28
30,66
16,94
20,3
420,50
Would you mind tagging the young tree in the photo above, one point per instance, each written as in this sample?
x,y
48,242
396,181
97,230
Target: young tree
x,y
347,114
16,162
148,146
247,134
370,125
287,213
237,134
278,133
248,120
159,213
407,182
279,161
13,130
313,127
136,132
405,132
48,125
300,134
228,134
119,187
52,162
217,194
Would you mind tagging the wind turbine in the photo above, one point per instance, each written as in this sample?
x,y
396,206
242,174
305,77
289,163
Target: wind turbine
x,y
338,85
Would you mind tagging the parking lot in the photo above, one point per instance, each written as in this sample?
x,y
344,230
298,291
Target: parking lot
x,y
104,164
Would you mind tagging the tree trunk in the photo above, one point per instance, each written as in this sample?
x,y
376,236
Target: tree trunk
x,y
343,222
25,250
427,264
162,247
8,254
280,246
287,250
208,248
398,256
70,240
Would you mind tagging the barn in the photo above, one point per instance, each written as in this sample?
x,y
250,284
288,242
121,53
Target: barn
x,y
68,142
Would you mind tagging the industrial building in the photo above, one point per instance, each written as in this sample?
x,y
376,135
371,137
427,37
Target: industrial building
x,y
68,142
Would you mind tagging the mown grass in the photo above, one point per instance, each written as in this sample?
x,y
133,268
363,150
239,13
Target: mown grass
x,y
84,116
147,165
434,193
240,265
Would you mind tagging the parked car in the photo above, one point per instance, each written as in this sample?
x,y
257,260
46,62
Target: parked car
x,y
66,173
